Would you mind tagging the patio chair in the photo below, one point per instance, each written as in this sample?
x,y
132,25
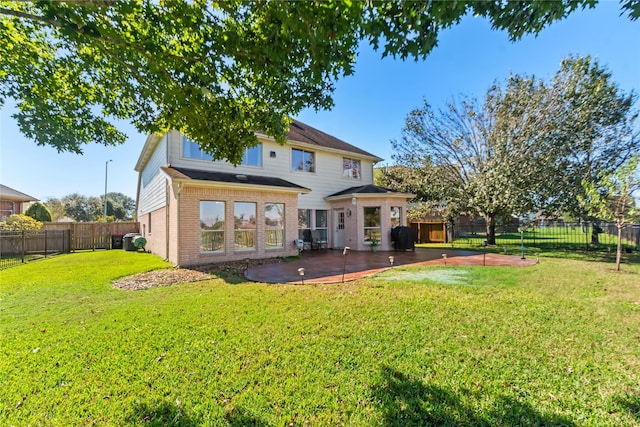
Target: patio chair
x,y
317,242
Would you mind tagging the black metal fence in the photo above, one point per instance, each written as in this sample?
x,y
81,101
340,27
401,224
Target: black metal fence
x,y
17,247
557,235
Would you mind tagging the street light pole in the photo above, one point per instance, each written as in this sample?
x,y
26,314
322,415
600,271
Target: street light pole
x,y
106,168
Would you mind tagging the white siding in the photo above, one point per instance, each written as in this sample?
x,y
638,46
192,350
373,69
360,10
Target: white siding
x,y
152,192
326,180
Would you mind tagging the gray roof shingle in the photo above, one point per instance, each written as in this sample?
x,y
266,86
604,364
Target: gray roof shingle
x,y
302,132
9,193
364,189
233,178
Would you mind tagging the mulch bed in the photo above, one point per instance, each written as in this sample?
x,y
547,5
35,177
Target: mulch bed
x,y
174,276
158,278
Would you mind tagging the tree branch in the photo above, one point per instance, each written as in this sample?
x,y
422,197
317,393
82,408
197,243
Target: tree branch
x,y
57,24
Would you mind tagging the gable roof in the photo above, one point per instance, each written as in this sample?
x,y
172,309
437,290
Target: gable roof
x,y
298,132
243,180
8,193
367,190
301,132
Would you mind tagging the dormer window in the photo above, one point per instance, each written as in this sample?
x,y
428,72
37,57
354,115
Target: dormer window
x,y
351,168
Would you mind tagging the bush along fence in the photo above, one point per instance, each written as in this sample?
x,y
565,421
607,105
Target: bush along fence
x,y
16,247
558,235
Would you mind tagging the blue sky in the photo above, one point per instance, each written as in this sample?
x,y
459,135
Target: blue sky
x,y
370,106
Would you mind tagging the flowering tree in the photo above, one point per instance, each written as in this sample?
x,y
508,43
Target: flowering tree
x,y
612,199
526,147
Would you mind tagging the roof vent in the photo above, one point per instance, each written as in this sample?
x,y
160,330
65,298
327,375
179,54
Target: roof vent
x,y
241,177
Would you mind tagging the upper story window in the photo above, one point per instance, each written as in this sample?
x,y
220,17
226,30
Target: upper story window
x,y
253,156
302,160
191,150
351,168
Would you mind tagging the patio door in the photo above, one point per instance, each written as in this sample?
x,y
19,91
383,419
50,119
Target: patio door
x,y
338,233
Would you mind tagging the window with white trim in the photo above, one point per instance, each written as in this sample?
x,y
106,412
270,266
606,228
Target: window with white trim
x,y
274,225
302,160
252,156
351,168
212,221
321,223
191,150
396,216
304,224
244,219
372,224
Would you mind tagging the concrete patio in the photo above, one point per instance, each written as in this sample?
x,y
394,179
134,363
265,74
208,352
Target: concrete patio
x,y
327,266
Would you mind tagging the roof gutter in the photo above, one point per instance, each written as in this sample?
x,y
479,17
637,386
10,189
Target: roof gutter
x,y
393,195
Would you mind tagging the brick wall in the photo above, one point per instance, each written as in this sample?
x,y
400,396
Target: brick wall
x,y
153,226
188,224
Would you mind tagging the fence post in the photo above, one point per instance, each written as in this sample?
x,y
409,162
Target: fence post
x,y
22,257
45,243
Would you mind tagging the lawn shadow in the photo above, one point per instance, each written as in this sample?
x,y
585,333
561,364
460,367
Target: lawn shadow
x,y
632,405
170,414
240,417
159,414
233,272
406,401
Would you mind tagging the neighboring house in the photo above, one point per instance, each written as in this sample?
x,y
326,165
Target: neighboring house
x,y
12,201
193,210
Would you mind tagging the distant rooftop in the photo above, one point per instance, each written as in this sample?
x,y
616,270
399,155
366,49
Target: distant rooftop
x,y
8,193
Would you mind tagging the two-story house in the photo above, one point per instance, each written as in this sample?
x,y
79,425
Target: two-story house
x,y
194,210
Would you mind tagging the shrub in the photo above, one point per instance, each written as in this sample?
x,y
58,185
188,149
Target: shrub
x,y
39,212
19,222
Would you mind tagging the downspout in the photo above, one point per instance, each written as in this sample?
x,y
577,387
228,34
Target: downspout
x,y
168,198
167,216
138,196
169,187
178,222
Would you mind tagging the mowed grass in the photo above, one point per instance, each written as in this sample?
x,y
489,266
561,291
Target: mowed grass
x,y
553,344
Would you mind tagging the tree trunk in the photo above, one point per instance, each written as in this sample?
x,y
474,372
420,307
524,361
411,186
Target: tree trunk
x,y
491,229
595,230
619,251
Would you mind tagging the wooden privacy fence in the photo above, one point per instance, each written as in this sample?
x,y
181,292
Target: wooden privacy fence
x,y
55,238
93,235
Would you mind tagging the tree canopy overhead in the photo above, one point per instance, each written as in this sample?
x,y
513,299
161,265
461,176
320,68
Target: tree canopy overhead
x,y
216,71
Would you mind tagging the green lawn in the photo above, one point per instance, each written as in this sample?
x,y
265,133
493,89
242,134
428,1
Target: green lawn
x,y
554,344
